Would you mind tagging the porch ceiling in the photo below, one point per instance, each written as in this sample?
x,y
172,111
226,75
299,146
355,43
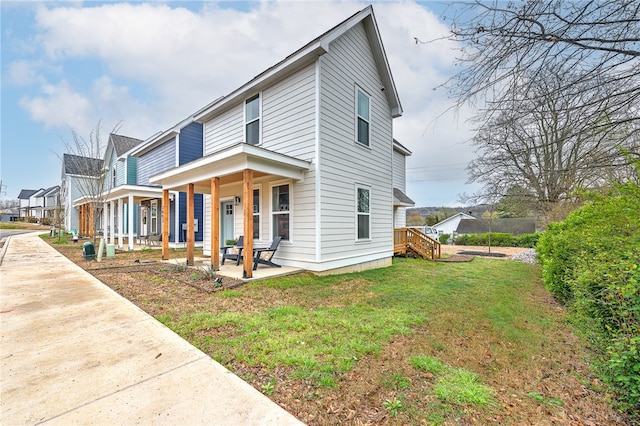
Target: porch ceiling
x,y
228,165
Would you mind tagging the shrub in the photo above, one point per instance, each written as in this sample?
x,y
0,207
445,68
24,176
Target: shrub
x,y
444,238
527,240
497,239
591,262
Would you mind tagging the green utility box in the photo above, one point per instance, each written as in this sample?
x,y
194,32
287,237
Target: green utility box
x,y
111,251
88,251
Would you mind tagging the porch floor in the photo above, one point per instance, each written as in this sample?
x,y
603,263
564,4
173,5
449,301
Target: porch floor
x,y
229,269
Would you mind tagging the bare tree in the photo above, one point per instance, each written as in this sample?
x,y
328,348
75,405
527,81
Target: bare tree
x,y
84,158
550,143
593,43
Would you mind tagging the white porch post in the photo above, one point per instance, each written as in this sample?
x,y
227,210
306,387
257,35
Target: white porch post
x,y
131,224
120,214
104,221
176,215
112,222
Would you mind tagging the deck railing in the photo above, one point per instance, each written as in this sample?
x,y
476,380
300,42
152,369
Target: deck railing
x,y
413,240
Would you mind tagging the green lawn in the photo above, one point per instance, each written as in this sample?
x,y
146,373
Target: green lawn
x,y
489,330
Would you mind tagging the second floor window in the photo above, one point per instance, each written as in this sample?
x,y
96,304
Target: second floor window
x,y
252,120
113,176
362,113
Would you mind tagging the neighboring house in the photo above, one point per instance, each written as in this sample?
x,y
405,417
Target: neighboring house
x,y
39,203
514,226
26,200
51,202
78,177
163,151
119,215
9,215
450,224
304,151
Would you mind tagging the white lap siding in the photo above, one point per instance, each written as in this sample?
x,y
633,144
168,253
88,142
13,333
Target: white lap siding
x,y
344,162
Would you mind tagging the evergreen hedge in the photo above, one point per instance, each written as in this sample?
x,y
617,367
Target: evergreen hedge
x,y
498,240
591,262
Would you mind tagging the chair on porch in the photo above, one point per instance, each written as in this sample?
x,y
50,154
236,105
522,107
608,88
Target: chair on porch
x,y
233,252
264,255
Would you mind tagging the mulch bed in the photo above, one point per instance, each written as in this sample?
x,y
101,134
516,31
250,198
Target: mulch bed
x,y
456,258
481,253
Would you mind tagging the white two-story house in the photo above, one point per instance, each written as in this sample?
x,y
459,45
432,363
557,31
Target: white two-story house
x,y
304,151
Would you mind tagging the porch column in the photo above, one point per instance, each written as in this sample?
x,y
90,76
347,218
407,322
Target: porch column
x,y
176,215
131,223
104,221
190,214
79,220
165,224
247,251
215,223
120,214
92,219
112,222
84,220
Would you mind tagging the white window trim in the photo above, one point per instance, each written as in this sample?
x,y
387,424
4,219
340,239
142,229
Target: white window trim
x,y
357,213
258,118
290,211
356,116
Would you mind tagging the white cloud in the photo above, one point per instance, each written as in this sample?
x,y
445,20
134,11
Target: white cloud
x,y
23,73
59,105
161,63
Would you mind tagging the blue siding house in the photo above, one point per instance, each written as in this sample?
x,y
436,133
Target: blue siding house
x,y
163,151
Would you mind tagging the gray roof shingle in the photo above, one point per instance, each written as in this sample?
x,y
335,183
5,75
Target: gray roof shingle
x,y
26,193
81,166
122,144
515,226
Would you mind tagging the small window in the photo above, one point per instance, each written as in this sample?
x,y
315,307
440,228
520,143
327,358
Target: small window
x,y
280,211
113,176
252,120
363,110
363,214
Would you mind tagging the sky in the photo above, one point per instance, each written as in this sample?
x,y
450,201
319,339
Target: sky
x,y
142,67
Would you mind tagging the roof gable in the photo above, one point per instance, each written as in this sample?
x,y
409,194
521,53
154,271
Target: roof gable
x,y
457,216
122,144
309,53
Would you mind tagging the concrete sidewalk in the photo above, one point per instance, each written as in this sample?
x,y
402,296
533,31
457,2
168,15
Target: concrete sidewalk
x,y
72,351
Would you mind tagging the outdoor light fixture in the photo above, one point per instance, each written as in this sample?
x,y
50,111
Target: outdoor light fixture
x,y
236,200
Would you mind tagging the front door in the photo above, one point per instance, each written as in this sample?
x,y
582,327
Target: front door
x,y
226,222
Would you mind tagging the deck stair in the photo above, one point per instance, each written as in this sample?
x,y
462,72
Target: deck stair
x,y
412,241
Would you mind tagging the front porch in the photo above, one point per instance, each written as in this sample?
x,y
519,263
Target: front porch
x,y
229,269
230,172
